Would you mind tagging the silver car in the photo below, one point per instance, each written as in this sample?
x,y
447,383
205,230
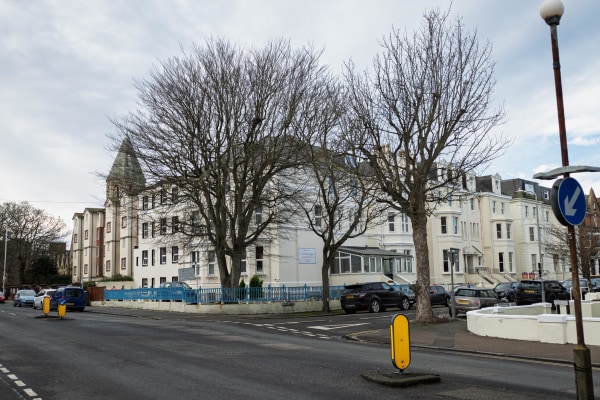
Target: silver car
x,y
472,298
24,297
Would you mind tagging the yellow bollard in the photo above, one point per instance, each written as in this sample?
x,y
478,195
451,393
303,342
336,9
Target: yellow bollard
x,y
400,341
46,305
62,308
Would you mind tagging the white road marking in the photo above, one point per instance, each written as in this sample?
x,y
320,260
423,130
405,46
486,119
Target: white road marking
x,y
330,327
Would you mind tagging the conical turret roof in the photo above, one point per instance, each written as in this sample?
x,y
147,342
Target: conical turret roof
x,y
126,171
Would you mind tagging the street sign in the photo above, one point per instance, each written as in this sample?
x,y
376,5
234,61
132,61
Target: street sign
x,y
568,201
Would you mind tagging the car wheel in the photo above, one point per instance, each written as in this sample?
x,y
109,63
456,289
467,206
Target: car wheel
x,y
375,306
405,304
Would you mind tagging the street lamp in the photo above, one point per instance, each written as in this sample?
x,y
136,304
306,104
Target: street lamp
x,y
551,11
4,273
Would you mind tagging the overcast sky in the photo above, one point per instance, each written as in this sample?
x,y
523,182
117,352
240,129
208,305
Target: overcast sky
x,y
67,68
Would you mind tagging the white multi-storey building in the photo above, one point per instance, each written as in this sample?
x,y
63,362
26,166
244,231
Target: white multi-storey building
x,y
485,230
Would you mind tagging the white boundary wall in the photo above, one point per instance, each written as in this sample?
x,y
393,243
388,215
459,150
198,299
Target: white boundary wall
x,y
533,323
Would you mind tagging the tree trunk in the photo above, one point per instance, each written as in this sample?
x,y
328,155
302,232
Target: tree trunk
x,y
424,311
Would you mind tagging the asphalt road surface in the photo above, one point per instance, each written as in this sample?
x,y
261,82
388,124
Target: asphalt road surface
x,y
158,355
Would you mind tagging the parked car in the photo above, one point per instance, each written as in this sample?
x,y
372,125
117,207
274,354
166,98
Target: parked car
x,y
372,296
439,295
474,298
74,297
584,286
179,291
24,297
530,291
506,290
2,298
39,298
409,292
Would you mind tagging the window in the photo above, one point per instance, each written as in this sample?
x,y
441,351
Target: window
x,y
153,229
85,235
163,255
75,238
501,261
153,259
455,225
498,231
211,262
124,222
258,215
145,203
534,262
391,218
502,208
472,202
144,230
443,225
163,197
449,200
175,195
510,262
175,254
446,262
174,224
508,231
163,226
196,261
403,222
153,201
526,211
123,263
195,222
493,206
259,259
144,258
318,216
531,234
144,282
107,265
244,262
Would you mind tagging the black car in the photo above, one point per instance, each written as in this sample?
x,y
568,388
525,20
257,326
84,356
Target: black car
x,y
506,290
584,286
372,296
439,295
530,292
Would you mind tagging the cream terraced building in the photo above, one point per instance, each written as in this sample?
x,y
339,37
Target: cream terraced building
x,y
484,233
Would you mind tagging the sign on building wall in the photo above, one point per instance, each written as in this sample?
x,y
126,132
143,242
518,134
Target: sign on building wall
x,y
186,274
307,255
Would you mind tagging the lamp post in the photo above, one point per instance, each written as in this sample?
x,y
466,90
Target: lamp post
x,y
551,11
4,273
540,262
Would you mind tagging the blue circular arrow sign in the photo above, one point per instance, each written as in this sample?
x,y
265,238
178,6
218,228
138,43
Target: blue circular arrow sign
x,y
568,201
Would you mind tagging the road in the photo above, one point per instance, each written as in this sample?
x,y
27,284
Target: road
x,y
157,355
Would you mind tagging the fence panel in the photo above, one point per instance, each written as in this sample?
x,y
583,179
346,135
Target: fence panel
x,y
225,295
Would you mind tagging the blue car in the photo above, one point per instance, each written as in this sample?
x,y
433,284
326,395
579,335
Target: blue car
x,y
24,297
73,297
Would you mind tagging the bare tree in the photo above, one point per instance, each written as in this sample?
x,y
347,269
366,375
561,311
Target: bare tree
x,y
340,199
30,233
224,124
427,101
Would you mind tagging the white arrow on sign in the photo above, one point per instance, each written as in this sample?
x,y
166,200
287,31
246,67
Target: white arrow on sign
x,y
330,327
570,202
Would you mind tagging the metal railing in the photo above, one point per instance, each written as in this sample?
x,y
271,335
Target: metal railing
x,y
224,295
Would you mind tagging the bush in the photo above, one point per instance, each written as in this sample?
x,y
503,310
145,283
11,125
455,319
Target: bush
x,y
117,278
256,282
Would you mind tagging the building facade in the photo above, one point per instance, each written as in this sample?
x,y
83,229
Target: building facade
x,y
484,231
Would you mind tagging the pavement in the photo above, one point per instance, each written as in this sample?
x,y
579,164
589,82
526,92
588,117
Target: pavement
x,y
454,336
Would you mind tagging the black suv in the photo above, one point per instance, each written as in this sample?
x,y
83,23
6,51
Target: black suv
x,y
530,292
372,296
506,290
